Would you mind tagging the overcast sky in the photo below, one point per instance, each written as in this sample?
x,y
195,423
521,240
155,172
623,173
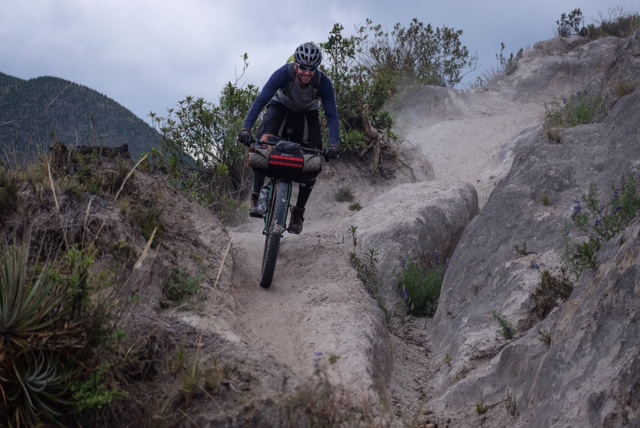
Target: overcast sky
x,y
149,54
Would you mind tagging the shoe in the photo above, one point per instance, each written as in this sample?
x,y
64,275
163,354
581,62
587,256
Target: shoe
x,y
253,203
295,225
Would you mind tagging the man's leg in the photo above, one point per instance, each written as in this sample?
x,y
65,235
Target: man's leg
x,y
258,181
271,123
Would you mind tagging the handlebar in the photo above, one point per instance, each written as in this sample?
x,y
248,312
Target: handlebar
x,y
273,141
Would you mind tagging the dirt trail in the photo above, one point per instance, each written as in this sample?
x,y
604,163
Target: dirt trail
x,y
316,304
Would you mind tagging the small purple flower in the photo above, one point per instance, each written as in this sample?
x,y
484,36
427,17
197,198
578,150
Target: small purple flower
x,y
317,357
598,223
535,265
436,256
405,295
577,209
616,195
403,262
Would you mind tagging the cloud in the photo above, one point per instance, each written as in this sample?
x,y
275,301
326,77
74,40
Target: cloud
x,y
148,55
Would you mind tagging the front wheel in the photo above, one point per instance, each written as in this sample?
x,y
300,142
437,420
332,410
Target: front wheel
x,y
277,226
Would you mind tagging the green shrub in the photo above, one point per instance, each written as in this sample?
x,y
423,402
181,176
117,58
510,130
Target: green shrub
x,y
366,265
507,330
367,268
618,24
8,194
199,148
507,64
596,222
93,393
569,24
420,287
148,219
581,108
345,194
544,336
180,288
435,56
551,290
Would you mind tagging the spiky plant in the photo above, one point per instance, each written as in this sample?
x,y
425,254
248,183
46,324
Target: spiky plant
x,y
44,338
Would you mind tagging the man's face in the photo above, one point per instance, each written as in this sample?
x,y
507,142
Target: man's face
x,y
304,73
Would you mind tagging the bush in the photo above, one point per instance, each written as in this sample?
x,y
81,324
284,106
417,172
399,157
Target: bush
x,y
180,288
569,24
367,67
435,56
597,222
551,290
507,330
199,147
421,287
618,24
345,194
8,194
582,108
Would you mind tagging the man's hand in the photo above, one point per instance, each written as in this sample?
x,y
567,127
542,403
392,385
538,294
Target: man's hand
x,y
333,153
245,137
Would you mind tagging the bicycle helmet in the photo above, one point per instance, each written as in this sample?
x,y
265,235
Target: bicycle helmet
x,y
308,54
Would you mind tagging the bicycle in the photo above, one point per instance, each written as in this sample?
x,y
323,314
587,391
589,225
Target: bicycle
x,y
283,162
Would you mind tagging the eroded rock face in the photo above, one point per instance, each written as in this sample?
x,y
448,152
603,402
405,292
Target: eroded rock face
x,y
559,67
584,377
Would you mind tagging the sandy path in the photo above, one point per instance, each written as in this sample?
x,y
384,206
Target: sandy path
x,y
470,143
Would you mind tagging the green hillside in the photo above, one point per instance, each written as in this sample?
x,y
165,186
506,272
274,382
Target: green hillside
x,y
35,112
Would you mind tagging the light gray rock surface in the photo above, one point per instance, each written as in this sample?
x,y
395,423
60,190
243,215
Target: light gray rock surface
x,y
589,375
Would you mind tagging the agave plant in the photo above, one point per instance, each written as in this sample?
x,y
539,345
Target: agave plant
x,y
40,341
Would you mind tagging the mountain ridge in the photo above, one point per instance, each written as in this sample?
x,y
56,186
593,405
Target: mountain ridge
x,y
37,112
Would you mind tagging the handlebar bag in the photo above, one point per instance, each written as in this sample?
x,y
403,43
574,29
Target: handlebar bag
x,y
312,162
285,161
285,165
258,159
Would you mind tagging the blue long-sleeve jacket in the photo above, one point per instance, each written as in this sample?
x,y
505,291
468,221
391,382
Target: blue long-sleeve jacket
x,y
281,78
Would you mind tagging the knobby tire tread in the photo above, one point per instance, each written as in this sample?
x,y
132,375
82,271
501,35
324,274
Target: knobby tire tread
x,y
276,228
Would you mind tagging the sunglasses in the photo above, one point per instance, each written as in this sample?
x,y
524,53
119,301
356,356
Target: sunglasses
x,y
307,68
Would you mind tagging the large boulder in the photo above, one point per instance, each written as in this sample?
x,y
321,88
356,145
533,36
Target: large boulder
x,y
409,222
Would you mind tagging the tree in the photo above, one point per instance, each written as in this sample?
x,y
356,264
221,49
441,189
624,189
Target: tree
x,y
435,56
199,142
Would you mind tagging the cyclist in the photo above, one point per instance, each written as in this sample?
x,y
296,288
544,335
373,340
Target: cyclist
x,y
292,96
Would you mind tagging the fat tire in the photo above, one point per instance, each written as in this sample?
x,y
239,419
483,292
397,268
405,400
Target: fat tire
x,y
277,227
